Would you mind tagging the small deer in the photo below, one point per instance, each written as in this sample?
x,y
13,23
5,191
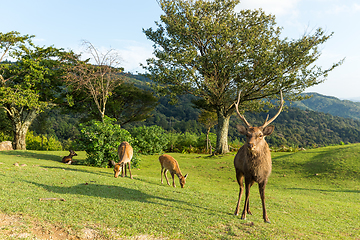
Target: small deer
x,y
253,160
168,163
125,153
68,159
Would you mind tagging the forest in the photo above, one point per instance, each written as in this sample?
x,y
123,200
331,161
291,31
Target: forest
x,y
294,128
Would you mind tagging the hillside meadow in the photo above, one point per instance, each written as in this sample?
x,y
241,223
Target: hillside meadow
x,y
312,194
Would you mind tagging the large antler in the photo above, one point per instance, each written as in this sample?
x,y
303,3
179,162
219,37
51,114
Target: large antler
x,y
237,110
276,115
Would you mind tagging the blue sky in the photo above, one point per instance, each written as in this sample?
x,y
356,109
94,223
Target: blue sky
x,y
118,24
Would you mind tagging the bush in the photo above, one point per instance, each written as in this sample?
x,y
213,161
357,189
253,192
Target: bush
x,y
42,142
202,141
189,142
5,137
100,140
150,140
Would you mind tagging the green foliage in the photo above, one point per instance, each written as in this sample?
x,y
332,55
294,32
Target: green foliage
x,y
54,122
42,142
150,140
5,127
101,140
212,52
31,83
130,103
328,104
188,142
4,137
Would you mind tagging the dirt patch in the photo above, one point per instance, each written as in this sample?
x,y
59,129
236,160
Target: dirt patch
x,y
23,227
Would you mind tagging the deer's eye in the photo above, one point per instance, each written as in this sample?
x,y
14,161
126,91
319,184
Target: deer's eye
x,y
261,135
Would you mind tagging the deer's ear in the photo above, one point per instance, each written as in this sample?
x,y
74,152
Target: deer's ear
x,y
185,176
268,130
242,129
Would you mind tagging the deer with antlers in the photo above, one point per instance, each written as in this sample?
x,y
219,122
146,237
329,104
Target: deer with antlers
x,y
253,160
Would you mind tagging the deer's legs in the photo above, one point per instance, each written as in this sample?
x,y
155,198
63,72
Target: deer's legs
x,y
123,170
248,204
129,170
162,169
167,180
262,196
248,184
172,175
240,179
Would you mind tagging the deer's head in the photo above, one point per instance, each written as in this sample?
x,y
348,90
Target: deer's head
x,y
255,136
72,153
117,169
182,180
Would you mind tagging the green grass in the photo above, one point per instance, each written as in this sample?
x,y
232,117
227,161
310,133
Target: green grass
x,y
313,194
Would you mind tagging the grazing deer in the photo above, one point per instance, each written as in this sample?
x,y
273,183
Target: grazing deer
x,y
170,164
125,153
253,160
68,159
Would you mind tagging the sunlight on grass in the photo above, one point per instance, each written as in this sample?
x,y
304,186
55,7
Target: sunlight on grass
x,y
310,194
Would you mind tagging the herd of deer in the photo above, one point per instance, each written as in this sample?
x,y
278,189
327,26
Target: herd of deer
x,y
252,162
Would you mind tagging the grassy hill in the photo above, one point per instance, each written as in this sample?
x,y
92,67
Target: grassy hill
x,y
311,194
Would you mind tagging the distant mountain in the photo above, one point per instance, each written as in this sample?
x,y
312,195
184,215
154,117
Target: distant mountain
x,y
357,99
331,105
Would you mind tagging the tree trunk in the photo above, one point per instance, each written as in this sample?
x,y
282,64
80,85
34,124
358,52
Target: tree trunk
x,y
222,133
21,120
208,142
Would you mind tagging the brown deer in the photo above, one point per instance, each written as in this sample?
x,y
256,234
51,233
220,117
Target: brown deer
x,y
253,160
168,163
125,153
68,159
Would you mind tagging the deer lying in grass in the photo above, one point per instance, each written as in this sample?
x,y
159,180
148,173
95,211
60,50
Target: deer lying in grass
x,y
125,153
68,159
253,160
168,163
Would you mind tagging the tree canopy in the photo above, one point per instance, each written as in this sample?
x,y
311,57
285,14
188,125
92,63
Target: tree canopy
x,y
29,84
207,49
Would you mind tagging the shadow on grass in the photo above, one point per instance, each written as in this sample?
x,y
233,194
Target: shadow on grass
x,y
76,169
127,194
326,190
37,155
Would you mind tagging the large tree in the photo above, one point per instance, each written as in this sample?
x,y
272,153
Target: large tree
x,y
29,83
207,49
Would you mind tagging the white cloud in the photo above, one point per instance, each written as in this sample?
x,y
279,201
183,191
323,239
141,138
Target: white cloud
x,y
342,8
133,55
129,53
277,7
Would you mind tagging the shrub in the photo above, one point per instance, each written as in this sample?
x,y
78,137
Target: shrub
x,y
150,140
100,140
42,142
201,143
235,145
5,137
